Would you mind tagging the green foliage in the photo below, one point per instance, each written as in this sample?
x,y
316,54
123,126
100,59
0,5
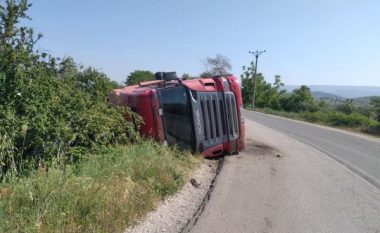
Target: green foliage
x,y
139,76
300,104
333,118
186,76
58,172
103,192
267,95
272,96
58,118
50,113
323,106
247,86
375,107
346,107
299,100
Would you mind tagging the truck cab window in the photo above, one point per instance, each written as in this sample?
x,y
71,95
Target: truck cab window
x,y
177,116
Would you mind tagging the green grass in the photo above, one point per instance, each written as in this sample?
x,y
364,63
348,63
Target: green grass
x,y
354,121
102,193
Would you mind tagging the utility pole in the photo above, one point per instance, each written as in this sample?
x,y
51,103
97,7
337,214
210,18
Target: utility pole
x,y
257,54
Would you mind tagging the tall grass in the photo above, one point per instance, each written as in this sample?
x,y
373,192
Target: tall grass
x,y
105,192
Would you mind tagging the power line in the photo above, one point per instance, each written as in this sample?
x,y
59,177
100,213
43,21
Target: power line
x,y
271,66
257,54
283,70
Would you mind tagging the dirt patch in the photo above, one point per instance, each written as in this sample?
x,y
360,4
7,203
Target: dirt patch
x,y
5,192
257,148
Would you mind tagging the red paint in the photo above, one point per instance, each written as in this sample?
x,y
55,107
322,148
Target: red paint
x,y
143,100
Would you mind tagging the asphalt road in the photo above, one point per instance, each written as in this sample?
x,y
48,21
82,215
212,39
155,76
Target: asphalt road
x,y
358,152
280,184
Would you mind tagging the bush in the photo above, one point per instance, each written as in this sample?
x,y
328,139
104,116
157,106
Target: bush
x,y
354,120
313,116
58,118
49,112
373,128
351,120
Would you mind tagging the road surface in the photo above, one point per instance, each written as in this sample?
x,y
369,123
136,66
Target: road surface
x,y
281,184
360,153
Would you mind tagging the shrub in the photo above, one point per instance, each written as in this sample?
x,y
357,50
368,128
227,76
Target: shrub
x,y
313,116
49,112
373,128
55,118
354,120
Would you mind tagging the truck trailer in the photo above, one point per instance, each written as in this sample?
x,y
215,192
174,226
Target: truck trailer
x,y
202,115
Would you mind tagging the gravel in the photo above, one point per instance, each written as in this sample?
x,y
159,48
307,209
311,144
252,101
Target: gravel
x,y
175,212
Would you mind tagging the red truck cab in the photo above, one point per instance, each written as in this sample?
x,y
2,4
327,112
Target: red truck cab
x,y
202,114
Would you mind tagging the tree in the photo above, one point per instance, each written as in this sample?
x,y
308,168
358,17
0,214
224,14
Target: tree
x,y
303,94
16,46
138,76
247,82
266,94
347,107
49,112
300,99
67,68
277,93
186,76
247,89
278,84
218,65
323,106
375,106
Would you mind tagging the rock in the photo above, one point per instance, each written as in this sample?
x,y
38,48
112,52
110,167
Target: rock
x,y
194,183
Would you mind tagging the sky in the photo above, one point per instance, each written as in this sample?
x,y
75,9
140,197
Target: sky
x,y
319,42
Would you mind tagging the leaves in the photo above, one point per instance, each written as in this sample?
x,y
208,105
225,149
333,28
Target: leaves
x,y
375,107
50,111
273,96
139,76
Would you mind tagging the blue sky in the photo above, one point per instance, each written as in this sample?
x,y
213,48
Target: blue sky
x,y
307,42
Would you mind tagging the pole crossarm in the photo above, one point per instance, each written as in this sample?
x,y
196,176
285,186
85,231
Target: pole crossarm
x,y
257,53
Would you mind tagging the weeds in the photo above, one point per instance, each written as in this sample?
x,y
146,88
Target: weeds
x,y
102,193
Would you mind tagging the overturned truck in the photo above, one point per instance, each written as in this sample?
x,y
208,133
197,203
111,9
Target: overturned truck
x,y
201,114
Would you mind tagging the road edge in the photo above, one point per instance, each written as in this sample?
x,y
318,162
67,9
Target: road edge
x,y
180,211
201,208
358,134
367,177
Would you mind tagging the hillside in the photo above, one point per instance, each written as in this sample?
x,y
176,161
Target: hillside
x,y
335,99
341,91
320,95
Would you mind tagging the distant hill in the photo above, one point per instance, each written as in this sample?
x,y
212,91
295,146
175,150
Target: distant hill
x,y
335,99
363,100
324,95
341,91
